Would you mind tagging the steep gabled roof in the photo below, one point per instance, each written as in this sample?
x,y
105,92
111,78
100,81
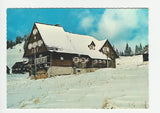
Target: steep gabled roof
x,y
55,36
110,48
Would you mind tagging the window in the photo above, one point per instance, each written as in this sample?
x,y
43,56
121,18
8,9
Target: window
x,y
83,60
104,61
75,59
87,60
40,55
40,43
61,58
41,60
35,60
92,47
105,49
38,60
35,31
44,59
95,61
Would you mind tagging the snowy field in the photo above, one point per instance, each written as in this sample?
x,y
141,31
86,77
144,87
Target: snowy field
x,y
15,54
123,87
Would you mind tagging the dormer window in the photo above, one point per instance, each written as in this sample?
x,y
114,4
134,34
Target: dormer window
x,y
92,46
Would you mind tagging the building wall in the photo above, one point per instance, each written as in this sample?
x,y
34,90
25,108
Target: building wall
x,y
31,40
145,57
58,62
68,58
59,70
98,64
111,54
112,63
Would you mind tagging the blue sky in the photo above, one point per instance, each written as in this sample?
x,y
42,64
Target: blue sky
x,y
120,26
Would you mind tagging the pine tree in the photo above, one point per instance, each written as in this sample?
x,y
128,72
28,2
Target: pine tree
x,y
122,53
14,43
136,50
8,44
140,49
129,51
11,44
26,38
126,52
117,52
18,39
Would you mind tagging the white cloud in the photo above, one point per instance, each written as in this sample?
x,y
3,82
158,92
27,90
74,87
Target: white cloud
x,y
119,25
87,22
116,21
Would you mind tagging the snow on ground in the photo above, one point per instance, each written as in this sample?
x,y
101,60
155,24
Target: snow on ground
x,y
15,54
123,87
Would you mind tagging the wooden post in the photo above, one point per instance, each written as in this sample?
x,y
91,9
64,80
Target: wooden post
x,y
51,61
107,60
35,62
50,64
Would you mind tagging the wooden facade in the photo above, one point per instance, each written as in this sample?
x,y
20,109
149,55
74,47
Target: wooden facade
x,y
111,54
32,39
20,67
43,58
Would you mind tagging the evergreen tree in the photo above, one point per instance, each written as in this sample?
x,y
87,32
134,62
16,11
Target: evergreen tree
x,y
11,44
128,50
26,37
18,39
8,44
140,49
122,53
136,50
117,52
14,43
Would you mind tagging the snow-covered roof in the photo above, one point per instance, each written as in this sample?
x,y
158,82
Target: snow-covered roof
x,y
56,37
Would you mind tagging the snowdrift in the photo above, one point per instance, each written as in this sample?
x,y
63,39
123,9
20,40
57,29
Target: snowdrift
x,y
123,87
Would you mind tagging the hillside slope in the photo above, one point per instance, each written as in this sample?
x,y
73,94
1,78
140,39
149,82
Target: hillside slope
x,y
123,87
15,54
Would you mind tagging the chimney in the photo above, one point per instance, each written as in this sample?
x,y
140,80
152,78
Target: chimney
x,y
57,25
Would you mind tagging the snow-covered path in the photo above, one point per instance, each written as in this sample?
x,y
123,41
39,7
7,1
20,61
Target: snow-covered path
x,y
123,87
